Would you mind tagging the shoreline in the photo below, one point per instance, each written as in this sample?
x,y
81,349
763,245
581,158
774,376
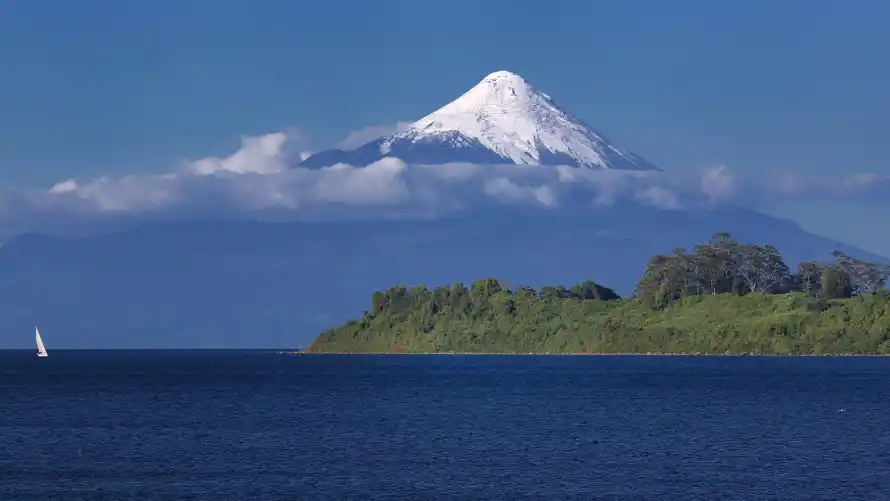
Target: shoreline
x,y
550,354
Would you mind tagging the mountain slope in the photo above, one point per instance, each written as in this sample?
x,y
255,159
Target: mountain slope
x,y
503,119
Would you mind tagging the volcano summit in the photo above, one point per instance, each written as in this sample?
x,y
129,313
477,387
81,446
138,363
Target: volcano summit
x,y
501,120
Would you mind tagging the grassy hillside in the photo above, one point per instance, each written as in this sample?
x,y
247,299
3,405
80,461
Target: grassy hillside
x,y
785,324
723,297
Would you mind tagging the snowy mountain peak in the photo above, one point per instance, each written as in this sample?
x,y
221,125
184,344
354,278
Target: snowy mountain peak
x,y
503,74
500,80
500,91
502,119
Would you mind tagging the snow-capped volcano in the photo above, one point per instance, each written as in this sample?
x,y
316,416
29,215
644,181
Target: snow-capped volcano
x,y
503,119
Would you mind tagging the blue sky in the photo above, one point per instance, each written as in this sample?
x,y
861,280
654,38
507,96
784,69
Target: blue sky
x,y
107,87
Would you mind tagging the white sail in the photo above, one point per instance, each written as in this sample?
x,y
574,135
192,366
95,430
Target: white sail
x,y
41,350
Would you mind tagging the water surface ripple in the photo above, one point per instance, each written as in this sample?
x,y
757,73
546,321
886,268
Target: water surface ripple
x,y
256,425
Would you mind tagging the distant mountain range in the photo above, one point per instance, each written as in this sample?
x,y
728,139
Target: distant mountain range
x,y
501,120
219,283
254,284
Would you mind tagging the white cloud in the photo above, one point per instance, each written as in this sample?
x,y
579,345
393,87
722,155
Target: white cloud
x,y
64,187
658,196
504,189
718,183
258,180
367,134
260,154
380,183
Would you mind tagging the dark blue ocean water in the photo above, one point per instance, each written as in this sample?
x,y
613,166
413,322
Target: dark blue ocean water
x,y
252,425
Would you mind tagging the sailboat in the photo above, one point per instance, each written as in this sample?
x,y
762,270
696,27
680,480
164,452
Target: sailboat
x,y
41,350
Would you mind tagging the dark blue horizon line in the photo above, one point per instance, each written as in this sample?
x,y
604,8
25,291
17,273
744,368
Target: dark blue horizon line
x,y
55,350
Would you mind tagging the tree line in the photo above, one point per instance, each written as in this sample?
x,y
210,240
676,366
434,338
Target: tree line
x,y
475,300
724,265
719,266
735,301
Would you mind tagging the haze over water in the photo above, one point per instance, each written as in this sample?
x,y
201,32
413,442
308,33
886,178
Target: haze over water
x,y
256,425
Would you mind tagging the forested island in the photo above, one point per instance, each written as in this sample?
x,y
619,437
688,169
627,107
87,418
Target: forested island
x,y
722,297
